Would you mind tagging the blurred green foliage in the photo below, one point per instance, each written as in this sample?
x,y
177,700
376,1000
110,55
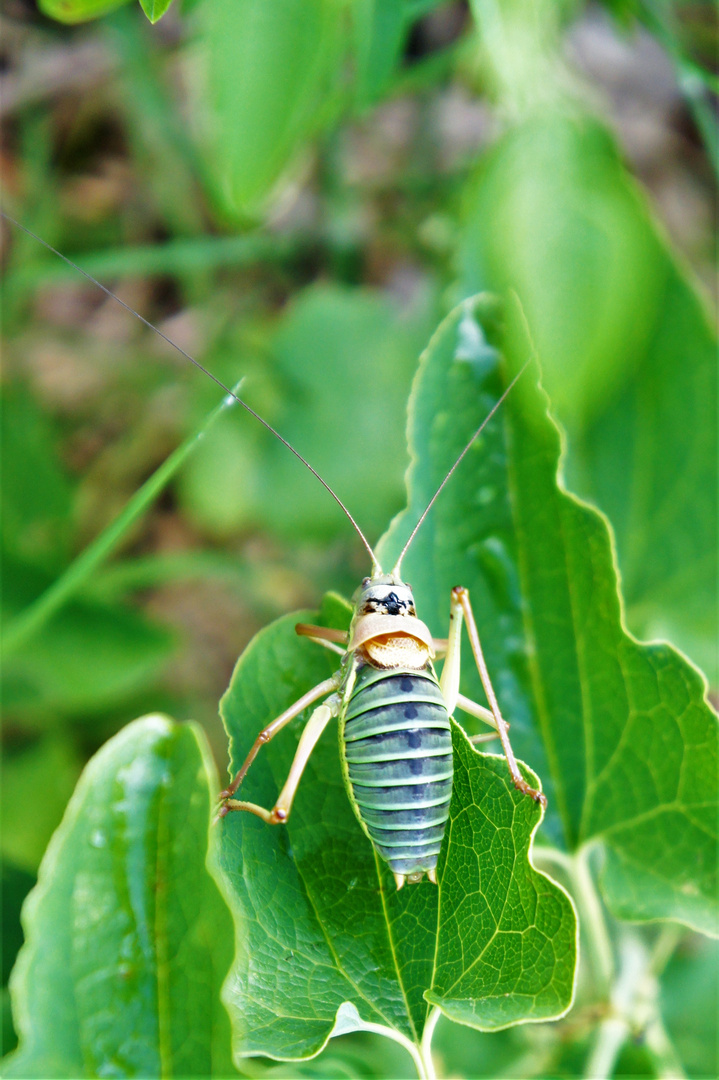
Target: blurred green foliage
x,y
296,191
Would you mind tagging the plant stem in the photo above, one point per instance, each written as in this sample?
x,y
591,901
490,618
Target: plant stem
x,y
592,922
425,1048
614,1031
632,992
34,617
423,1072
635,1009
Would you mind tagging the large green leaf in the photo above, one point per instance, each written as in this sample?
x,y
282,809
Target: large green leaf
x,y
127,936
620,733
664,504
628,355
329,939
269,72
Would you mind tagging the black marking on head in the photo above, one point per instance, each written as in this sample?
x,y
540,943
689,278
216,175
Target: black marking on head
x,y
387,603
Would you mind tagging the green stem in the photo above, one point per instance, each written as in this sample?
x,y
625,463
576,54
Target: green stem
x,y
592,922
412,1049
614,1031
425,1048
33,618
635,1009
632,992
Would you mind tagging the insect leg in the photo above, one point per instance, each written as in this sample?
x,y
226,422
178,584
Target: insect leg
x,y
323,635
271,730
326,633
449,682
308,740
467,705
461,606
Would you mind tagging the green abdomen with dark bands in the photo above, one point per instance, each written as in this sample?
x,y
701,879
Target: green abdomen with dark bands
x,y
397,746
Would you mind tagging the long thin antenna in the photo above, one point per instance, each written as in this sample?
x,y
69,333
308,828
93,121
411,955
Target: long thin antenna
x,y
156,330
441,487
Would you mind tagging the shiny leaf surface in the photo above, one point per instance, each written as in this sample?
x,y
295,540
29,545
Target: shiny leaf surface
x,y
127,936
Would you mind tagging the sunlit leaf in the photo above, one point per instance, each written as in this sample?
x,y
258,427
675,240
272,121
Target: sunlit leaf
x,y
506,936
628,355
619,732
127,936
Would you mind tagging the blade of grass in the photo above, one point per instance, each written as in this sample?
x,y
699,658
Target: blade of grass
x,y
22,628
176,256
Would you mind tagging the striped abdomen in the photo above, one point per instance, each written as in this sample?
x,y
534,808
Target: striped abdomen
x,y
397,747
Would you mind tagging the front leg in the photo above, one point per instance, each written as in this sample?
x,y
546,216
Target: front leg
x,y
461,607
271,730
280,812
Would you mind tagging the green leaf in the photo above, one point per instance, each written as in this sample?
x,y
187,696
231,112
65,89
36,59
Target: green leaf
x,y
568,232
155,9
127,936
627,353
329,940
76,11
270,71
620,733
663,505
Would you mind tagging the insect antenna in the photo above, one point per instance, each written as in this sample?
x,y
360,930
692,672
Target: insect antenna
x,y
228,391
441,487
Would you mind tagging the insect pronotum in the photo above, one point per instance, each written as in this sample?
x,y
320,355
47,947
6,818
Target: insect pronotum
x,y
393,711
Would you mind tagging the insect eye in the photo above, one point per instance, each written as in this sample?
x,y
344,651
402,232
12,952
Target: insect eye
x,y
365,582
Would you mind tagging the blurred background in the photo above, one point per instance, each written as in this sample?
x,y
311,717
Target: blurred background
x,y
296,193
